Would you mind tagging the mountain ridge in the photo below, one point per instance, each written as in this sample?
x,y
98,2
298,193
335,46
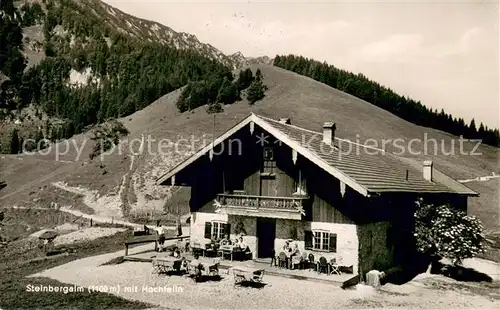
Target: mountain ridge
x,y
153,31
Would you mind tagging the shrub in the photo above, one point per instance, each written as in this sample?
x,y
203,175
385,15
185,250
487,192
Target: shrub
x,y
214,108
446,232
106,136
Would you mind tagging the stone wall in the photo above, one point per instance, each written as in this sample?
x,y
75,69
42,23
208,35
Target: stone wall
x,y
375,252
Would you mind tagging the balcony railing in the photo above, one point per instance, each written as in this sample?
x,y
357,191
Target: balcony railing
x,y
262,202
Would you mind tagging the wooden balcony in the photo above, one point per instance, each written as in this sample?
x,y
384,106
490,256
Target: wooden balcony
x,y
261,206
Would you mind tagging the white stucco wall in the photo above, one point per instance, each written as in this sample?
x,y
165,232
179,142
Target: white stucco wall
x,y
347,239
347,242
199,219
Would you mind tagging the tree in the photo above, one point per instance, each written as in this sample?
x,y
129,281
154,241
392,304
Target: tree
x,y
444,231
258,75
106,136
472,129
245,78
228,92
12,61
214,107
256,91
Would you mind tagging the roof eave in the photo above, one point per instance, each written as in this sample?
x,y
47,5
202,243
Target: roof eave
x,y
162,180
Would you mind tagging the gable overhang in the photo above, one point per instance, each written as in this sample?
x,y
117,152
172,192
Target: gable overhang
x,y
169,177
163,180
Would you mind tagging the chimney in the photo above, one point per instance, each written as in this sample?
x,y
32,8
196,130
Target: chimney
x,y
328,132
427,171
285,120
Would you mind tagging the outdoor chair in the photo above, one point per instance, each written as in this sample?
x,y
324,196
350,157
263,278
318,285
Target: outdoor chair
x,y
282,260
335,268
273,258
295,261
305,260
323,265
196,248
210,249
311,263
195,272
213,270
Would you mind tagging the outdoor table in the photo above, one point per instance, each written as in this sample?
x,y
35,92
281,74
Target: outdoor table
x,y
247,274
226,249
164,264
211,269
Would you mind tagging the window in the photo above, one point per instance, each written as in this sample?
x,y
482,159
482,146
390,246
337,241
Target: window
x,y
269,162
321,241
300,184
268,154
216,230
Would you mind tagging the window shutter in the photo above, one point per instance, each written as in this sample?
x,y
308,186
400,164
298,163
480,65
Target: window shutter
x,y
308,238
333,243
227,229
208,230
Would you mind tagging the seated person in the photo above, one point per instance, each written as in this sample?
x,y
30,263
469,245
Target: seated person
x,y
242,245
225,240
287,249
176,253
295,250
196,265
295,255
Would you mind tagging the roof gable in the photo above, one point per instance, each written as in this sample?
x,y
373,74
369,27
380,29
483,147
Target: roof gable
x,y
363,168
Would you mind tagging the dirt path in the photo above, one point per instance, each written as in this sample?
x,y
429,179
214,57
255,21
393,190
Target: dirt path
x,y
135,281
125,187
108,206
33,183
104,219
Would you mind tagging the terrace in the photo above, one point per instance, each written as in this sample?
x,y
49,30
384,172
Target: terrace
x,y
343,280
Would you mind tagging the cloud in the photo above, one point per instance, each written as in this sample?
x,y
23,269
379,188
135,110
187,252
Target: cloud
x,y
469,37
395,47
411,48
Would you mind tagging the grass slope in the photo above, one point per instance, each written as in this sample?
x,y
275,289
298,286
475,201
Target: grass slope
x,y
19,261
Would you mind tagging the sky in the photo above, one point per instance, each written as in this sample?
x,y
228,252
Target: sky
x,y
444,53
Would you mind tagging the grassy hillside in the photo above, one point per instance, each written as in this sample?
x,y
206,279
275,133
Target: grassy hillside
x,y
87,62
308,104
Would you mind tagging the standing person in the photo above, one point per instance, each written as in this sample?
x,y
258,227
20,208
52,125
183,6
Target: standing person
x,y
179,228
161,237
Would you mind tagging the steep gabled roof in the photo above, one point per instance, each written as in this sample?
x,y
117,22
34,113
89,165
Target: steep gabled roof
x,y
363,168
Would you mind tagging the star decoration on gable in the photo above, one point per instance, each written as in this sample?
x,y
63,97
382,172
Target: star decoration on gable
x,y
278,142
262,139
